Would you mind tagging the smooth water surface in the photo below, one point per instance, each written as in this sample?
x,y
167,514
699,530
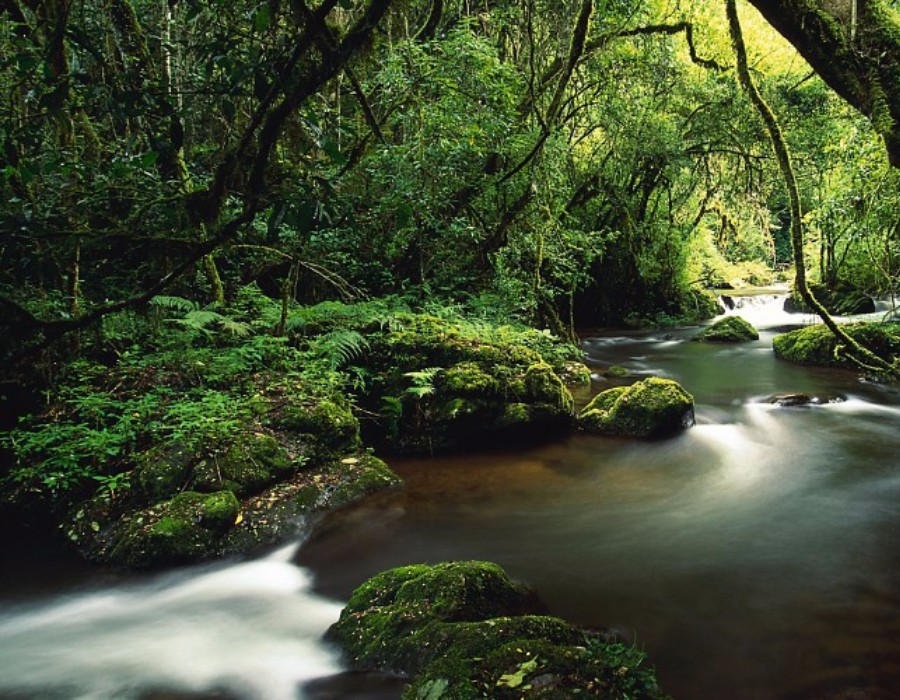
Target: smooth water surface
x,y
755,556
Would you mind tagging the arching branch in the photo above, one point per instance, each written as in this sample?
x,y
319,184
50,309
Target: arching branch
x,y
859,60
862,356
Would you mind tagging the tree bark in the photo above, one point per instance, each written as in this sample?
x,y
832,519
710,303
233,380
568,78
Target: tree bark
x,y
859,60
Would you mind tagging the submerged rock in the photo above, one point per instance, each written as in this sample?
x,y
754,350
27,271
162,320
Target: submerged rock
x,y
465,630
650,408
731,329
793,400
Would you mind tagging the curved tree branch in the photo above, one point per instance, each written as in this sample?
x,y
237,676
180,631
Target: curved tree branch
x,y
861,355
859,60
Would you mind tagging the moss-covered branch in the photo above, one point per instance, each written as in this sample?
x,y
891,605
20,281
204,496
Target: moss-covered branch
x,y
864,357
862,66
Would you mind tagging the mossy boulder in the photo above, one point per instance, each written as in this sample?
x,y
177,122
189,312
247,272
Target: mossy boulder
x,y
469,380
650,408
616,372
327,423
182,529
244,463
441,389
246,466
193,526
381,626
731,329
816,345
286,508
439,384
465,630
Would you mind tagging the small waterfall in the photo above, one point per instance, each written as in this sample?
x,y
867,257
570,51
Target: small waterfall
x,y
250,630
764,310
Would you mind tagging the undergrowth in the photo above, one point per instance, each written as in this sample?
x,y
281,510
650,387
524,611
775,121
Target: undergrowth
x,y
183,374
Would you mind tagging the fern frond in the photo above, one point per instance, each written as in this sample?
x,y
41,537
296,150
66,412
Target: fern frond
x,y
423,381
236,328
168,303
423,376
339,347
199,319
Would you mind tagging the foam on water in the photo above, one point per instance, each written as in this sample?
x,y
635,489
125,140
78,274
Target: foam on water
x,y
253,629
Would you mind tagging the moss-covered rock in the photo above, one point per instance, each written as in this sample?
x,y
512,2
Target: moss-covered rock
x,y
283,510
247,465
469,380
440,384
464,630
182,529
816,345
574,373
163,470
650,408
381,626
328,423
243,463
616,372
193,526
543,386
731,329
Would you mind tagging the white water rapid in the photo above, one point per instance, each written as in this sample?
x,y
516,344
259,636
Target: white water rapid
x,y
250,630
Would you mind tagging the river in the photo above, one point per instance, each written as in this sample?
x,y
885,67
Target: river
x,y
754,556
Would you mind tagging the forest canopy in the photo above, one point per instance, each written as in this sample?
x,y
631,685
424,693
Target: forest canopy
x,y
562,163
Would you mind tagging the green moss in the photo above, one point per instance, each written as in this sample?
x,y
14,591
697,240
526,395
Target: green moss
x,y
649,408
469,380
574,373
246,466
465,403
361,476
616,372
515,416
380,624
329,423
464,630
731,329
816,345
219,510
186,528
162,471
543,385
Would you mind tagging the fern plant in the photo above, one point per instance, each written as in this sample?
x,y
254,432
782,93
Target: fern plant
x,y
422,381
338,348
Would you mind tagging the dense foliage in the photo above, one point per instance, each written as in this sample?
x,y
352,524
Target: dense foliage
x,y
548,160
218,169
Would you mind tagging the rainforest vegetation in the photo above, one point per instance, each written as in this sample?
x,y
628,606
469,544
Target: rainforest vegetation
x,y
243,244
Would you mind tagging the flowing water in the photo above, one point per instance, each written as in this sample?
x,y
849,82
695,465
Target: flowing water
x,y
755,556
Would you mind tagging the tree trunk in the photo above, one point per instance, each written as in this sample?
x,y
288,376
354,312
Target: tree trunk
x,y
860,60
